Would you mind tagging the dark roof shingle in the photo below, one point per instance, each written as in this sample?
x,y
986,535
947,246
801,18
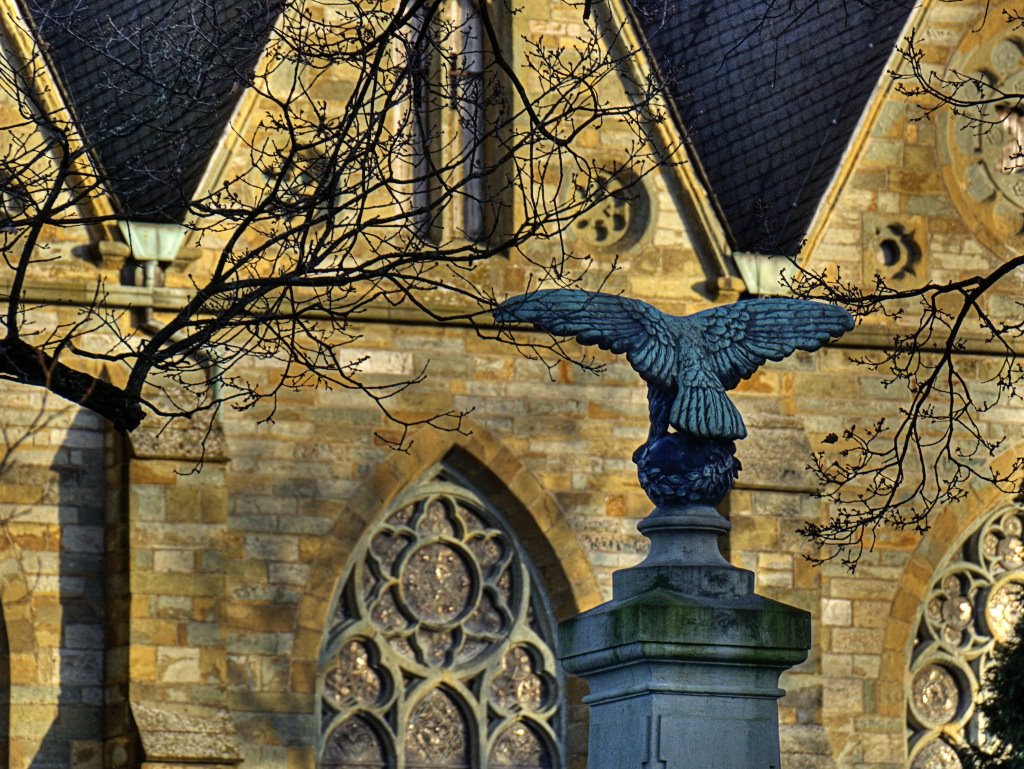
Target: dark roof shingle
x,y
152,84
770,92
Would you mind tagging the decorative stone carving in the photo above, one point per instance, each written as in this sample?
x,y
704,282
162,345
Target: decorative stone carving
x,y
621,217
936,754
980,152
935,695
894,248
440,648
971,608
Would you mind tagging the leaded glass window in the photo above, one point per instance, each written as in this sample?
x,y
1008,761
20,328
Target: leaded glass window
x,y
444,113
971,608
439,654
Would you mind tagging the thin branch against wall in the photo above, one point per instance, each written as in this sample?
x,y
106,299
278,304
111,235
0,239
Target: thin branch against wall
x,y
348,190
955,364
896,472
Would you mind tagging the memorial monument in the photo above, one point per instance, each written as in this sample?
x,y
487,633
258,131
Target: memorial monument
x,y
683,663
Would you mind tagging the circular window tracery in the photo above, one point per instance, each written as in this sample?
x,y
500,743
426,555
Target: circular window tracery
x,y
440,653
980,148
972,606
621,215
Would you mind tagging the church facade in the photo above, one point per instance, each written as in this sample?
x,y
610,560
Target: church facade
x,y
314,598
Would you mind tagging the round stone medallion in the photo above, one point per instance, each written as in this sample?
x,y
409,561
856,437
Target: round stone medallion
x,y
982,149
437,583
935,697
936,755
1003,608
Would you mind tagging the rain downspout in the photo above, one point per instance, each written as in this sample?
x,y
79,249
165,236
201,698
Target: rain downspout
x,y
154,247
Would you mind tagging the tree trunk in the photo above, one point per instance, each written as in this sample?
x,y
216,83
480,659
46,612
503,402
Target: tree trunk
x,y
25,364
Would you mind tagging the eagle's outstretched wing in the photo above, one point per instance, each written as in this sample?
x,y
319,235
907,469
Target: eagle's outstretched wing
x,y
740,337
614,323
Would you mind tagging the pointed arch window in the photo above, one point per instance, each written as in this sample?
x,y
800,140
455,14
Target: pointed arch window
x,y
449,120
972,607
439,654
469,107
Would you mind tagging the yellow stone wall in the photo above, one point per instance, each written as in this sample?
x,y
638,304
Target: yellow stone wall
x,y
899,172
216,586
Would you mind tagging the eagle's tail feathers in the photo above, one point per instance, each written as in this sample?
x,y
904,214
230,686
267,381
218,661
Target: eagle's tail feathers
x,y
708,412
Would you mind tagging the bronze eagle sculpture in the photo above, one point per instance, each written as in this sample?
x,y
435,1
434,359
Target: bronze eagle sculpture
x,y
688,362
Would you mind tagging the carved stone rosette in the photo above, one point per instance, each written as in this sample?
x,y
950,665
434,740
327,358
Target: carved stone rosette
x,y
980,150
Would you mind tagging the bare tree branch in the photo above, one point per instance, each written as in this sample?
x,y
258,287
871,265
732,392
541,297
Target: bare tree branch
x,y
444,154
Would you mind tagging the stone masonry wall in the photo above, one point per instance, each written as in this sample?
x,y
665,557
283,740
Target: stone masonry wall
x,y
847,705
208,590
51,580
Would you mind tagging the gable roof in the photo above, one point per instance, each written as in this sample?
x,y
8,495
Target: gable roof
x,y
770,93
152,84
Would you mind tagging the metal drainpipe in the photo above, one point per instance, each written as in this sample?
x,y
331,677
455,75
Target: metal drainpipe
x,y
149,324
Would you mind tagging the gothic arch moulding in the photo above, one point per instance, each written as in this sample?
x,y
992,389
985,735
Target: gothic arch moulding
x,y
949,611
946,529
19,645
499,478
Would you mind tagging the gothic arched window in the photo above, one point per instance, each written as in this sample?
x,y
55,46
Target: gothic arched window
x,y
445,119
440,649
972,607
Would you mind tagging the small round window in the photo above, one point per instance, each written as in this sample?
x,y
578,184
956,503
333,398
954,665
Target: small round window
x,y
621,215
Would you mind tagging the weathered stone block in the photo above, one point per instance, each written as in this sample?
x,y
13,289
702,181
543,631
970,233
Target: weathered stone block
x,y
857,640
266,547
836,611
178,665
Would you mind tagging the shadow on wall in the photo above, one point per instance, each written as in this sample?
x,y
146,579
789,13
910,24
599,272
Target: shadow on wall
x,y
75,486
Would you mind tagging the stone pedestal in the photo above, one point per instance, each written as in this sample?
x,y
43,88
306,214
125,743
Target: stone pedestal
x,y
684,662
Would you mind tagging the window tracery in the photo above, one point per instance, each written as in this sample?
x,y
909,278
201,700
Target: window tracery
x,y
439,653
972,607
622,214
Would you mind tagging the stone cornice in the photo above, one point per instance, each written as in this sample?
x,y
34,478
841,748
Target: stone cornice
x,y
864,337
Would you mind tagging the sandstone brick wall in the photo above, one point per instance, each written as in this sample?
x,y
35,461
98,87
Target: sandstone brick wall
x,y
129,581
52,583
221,566
854,683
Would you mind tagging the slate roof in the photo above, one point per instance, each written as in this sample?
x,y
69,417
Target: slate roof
x,y
770,92
152,83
